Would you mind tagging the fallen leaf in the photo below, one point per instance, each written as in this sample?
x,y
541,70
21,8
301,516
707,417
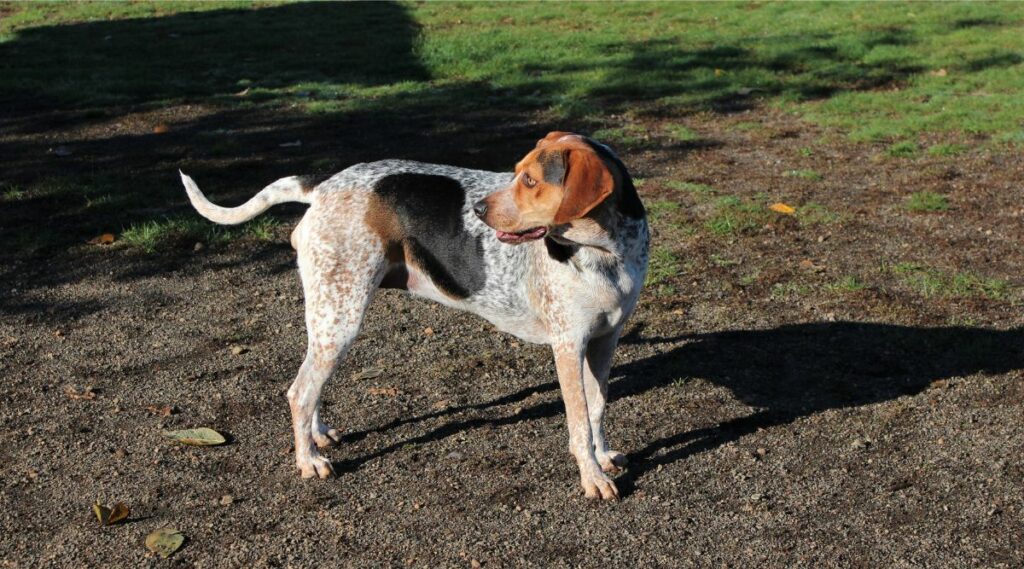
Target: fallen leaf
x,y
239,350
105,239
165,541
428,331
719,72
196,437
808,265
369,373
443,404
161,128
242,93
940,72
165,411
385,391
782,208
87,394
109,516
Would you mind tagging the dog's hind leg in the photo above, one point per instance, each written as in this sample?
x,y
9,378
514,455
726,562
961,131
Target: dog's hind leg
x,y
339,279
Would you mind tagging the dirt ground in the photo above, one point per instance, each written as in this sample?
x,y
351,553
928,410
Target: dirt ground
x,y
802,426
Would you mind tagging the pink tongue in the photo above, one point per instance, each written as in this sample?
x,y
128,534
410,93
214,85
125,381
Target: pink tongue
x,y
532,234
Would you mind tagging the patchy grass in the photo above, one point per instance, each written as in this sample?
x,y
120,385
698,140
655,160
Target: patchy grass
x,y
629,135
829,63
663,266
947,149
680,133
903,149
734,215
847,284
154,235
930,282
788,290
805,174
703,190
922,202
659,210
811,214
12,193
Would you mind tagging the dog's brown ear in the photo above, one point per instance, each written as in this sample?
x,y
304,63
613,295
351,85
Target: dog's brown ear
x,y
551,137
587,183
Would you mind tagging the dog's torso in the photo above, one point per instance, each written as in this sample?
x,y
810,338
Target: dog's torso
x,y
439,249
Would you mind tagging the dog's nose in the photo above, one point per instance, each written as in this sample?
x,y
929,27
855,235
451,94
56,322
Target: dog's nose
x,y
480,208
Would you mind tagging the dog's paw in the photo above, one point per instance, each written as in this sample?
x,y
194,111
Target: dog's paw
x,y
315,467
597,485
325,436
611,461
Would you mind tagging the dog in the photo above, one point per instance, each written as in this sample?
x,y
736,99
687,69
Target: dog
x,y
555,253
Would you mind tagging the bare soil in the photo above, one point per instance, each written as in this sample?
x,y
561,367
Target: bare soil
x,y
875,427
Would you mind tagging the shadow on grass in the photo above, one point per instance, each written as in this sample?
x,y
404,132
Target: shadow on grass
x,y
785,373
99,89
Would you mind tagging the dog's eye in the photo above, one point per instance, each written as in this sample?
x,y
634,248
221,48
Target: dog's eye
x,y
529,181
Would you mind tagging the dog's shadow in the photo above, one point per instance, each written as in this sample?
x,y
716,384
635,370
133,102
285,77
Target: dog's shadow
x,y
785,373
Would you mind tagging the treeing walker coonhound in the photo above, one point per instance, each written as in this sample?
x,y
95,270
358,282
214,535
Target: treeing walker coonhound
x,y
555,253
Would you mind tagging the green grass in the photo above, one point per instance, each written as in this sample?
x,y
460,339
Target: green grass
x,y
930,282
870,69
692,187
811,214
12,193
902,149
946,149
151,236
660,210
846,284
663,266
629,135
733,215
680,133
922,202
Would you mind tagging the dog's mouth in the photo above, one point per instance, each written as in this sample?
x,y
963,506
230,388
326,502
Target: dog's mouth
x,y
521,236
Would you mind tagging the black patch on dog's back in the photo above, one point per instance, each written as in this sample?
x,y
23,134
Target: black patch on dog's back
x,y
429,208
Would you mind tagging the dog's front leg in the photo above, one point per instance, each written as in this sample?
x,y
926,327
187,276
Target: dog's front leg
x,y
569,363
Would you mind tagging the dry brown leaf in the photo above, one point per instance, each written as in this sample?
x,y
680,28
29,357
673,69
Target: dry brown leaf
x,y
165,411
369,373
105,239
202,437
161,128
385,391
940,72
782,208
428,331
87,394
443,404
108,515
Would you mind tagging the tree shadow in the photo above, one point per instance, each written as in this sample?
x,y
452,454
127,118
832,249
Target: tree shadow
x,y
203,54
784,373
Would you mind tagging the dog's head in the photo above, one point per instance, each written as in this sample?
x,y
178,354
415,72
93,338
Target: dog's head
x,y
561,180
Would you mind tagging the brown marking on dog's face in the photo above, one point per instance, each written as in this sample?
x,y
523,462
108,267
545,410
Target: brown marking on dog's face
x,y
559,181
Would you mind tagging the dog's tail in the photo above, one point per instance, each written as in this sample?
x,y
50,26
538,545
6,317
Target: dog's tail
x,y
291,189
